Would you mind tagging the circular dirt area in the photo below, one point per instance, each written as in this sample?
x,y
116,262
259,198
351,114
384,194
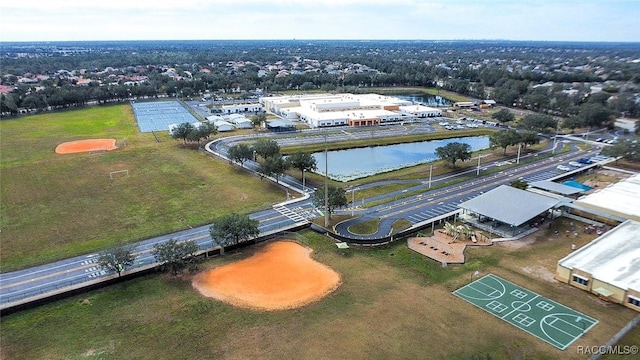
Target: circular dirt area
x,y
281,276
78,146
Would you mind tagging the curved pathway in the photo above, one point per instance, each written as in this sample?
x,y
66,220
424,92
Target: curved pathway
x,y
427,203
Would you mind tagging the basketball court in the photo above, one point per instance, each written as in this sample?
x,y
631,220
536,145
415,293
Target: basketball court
x,y
543,318
158,115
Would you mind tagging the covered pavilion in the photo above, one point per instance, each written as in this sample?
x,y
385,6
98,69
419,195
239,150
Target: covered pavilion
x,y
508,211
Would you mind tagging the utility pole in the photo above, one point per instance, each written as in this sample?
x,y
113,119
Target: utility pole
x,y
326,183
555,138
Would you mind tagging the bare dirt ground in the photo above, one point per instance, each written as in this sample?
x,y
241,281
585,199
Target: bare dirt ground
x,y
88,145
281,276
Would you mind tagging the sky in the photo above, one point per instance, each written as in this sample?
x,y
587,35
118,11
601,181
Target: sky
x,y
547,20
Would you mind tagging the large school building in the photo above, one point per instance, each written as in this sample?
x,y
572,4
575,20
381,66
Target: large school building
x,y
323,110
609,266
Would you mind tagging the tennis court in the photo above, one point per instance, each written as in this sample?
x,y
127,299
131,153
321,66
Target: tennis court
x,y
543,318
158,115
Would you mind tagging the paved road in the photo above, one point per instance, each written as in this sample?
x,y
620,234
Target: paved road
x,y
27,283
48,278
430,204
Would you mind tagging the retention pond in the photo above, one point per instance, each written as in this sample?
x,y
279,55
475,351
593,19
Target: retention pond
x,y
351,164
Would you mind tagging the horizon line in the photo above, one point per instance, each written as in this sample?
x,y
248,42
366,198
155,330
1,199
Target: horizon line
x,y
320,39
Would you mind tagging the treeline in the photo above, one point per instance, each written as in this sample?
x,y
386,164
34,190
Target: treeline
x,y
507,72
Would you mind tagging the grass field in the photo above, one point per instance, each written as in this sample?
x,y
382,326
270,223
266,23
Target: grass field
x,y
56,206
393,304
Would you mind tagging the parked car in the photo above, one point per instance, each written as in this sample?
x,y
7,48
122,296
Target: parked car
x,y
563,168
585,161
575,164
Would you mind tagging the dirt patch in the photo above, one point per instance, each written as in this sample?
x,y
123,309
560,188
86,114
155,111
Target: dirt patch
x,y
281,276
519,243
540,272
72,147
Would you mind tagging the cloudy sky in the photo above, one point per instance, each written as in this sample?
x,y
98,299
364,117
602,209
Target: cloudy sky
x,y
561,20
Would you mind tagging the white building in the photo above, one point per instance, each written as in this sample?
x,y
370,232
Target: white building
x,y
321,110
213,118
240,121
609,266
223,126
621,199
241,108
420,111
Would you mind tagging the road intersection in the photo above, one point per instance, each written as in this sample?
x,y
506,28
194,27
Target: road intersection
x,y
417,204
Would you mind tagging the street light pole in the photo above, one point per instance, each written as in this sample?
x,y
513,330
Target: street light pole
x,y
353,200
303,187
430,172
478,169
555,138
326,184
518,159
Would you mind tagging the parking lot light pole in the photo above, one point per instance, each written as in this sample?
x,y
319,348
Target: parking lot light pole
x,y
430,173
303,187
555,138
326,182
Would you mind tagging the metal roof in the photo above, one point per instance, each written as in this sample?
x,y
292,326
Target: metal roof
x,y
510,205
613,258
280,123
556,188
621,199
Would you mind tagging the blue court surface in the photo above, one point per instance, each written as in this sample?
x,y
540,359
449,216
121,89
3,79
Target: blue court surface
x,y
158,115
543,318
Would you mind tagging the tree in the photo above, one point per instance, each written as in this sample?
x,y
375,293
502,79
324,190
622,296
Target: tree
x,y
240,153
174,255
233,229
503,116
8,104
274,166
519,184
594,114
504,139
266,148
258,119
204,131
628,149
529,138
572,123
182,131
117,259
337,198
538,122
302,161
454,151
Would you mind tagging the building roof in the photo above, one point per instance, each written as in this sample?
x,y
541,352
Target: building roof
x,y
613,258
280,123
555,187
620,199
505,204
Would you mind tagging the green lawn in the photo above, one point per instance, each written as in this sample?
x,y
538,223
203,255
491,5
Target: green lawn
x,y
393,304
56,206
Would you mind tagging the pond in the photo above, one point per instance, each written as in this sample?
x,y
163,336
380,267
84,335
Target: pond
x,y
351,164
426,99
